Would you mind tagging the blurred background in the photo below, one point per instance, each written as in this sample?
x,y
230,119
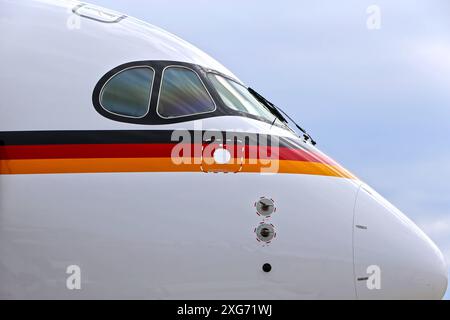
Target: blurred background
x,y
369,80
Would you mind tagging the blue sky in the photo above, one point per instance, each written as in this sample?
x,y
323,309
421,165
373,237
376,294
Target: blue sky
x,y
378,101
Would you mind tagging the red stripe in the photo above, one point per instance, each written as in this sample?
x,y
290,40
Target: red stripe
x,y
76,151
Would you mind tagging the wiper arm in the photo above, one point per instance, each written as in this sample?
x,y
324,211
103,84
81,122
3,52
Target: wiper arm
x,y
306,135
272,108
279,113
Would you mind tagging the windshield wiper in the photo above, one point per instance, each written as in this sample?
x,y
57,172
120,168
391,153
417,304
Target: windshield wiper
x,y
306,135
280,114
272,108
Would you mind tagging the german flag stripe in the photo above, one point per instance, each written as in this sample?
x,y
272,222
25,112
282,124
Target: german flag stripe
x,y
143,151
75,151
127,136
103,165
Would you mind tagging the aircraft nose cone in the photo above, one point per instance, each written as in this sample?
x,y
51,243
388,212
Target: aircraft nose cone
x,y
439,272
409,264
429,269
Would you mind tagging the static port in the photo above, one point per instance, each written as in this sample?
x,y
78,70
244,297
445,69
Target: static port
x,y
266,267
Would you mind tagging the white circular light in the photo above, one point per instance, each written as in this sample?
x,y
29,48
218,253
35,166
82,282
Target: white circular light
x,y
222,156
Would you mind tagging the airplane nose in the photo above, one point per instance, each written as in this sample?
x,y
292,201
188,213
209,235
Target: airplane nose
x,y
394,259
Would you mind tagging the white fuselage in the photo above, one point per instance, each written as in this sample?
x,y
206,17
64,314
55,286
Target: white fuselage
x,y
182,234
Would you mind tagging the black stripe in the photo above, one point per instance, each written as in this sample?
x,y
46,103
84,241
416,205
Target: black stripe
x,y
130,136
83,137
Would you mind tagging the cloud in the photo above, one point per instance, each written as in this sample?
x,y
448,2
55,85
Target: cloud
x,y
437,228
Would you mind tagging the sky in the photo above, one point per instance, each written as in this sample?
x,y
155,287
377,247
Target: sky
x,y
370,84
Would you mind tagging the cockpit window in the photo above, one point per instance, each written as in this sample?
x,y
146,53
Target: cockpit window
x,y
182,94
237,97
128,92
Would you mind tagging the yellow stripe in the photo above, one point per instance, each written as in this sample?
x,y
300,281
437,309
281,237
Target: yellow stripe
x,y
94,165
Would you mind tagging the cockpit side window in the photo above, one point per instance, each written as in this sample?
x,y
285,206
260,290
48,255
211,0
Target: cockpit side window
x,y
237,97
183,93
128,92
